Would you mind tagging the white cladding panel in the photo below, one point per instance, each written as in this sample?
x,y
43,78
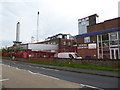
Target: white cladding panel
x,y
37,47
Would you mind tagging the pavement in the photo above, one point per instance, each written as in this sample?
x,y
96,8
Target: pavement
x,y
18,78
79,70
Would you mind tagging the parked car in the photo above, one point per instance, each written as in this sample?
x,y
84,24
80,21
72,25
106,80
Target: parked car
x,y
71,55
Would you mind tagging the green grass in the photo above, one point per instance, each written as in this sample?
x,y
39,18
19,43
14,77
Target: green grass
x,y
8,58
94,67
78,66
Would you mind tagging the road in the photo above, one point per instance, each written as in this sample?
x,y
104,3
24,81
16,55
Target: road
x,y
17,75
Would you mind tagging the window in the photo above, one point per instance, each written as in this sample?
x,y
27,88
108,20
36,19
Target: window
x,y
114,42
60,36
54,42
119,37
99,38
75,43
86,39
113,36
87,19
105,37
83,22
71,56
100,44
79,22
69,43
64,43
105,43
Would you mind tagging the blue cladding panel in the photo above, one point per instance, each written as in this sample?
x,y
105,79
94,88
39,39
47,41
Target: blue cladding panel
x,y
90,34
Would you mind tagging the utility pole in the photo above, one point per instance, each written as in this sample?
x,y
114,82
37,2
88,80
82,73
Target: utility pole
x,y
37,25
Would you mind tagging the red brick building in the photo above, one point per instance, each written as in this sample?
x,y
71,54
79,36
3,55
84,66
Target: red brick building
x,y
64,41
102,40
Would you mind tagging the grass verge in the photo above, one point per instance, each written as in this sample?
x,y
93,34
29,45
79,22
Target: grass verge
x,y
94,67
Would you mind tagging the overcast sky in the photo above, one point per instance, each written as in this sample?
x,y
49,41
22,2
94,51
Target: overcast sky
x,y
56,16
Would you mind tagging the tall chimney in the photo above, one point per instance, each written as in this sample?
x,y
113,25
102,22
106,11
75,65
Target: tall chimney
x,y
37,25
17,42
18,32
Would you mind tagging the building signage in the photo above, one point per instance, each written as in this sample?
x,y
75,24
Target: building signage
x,y
92,46
82,46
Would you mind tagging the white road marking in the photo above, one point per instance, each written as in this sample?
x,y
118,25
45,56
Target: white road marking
x,y
43,68
18,68
4,80
44,75
91,86
30,66
8,65
49,76
56,70
49,69
32,72
37,67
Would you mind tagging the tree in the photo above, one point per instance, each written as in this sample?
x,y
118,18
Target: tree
x,y
4,50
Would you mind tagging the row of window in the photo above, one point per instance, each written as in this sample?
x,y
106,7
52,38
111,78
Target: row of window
x,y
64,43
106,39
109,39
69,43
52,43
111,43
113,37
109,36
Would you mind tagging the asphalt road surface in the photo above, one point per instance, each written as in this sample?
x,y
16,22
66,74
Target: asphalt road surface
x,y
19,75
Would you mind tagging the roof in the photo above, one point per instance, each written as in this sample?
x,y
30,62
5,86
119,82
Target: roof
x,y
87,17
42,44
95,33
58,35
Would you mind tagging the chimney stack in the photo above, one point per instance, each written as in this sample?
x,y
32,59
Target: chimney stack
x,y
17,34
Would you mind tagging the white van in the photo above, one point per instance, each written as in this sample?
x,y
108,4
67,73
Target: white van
x,y
71,55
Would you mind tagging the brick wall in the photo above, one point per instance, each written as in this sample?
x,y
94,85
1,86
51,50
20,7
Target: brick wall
x,y
108,24
87,53
67,46
110,63
46,60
